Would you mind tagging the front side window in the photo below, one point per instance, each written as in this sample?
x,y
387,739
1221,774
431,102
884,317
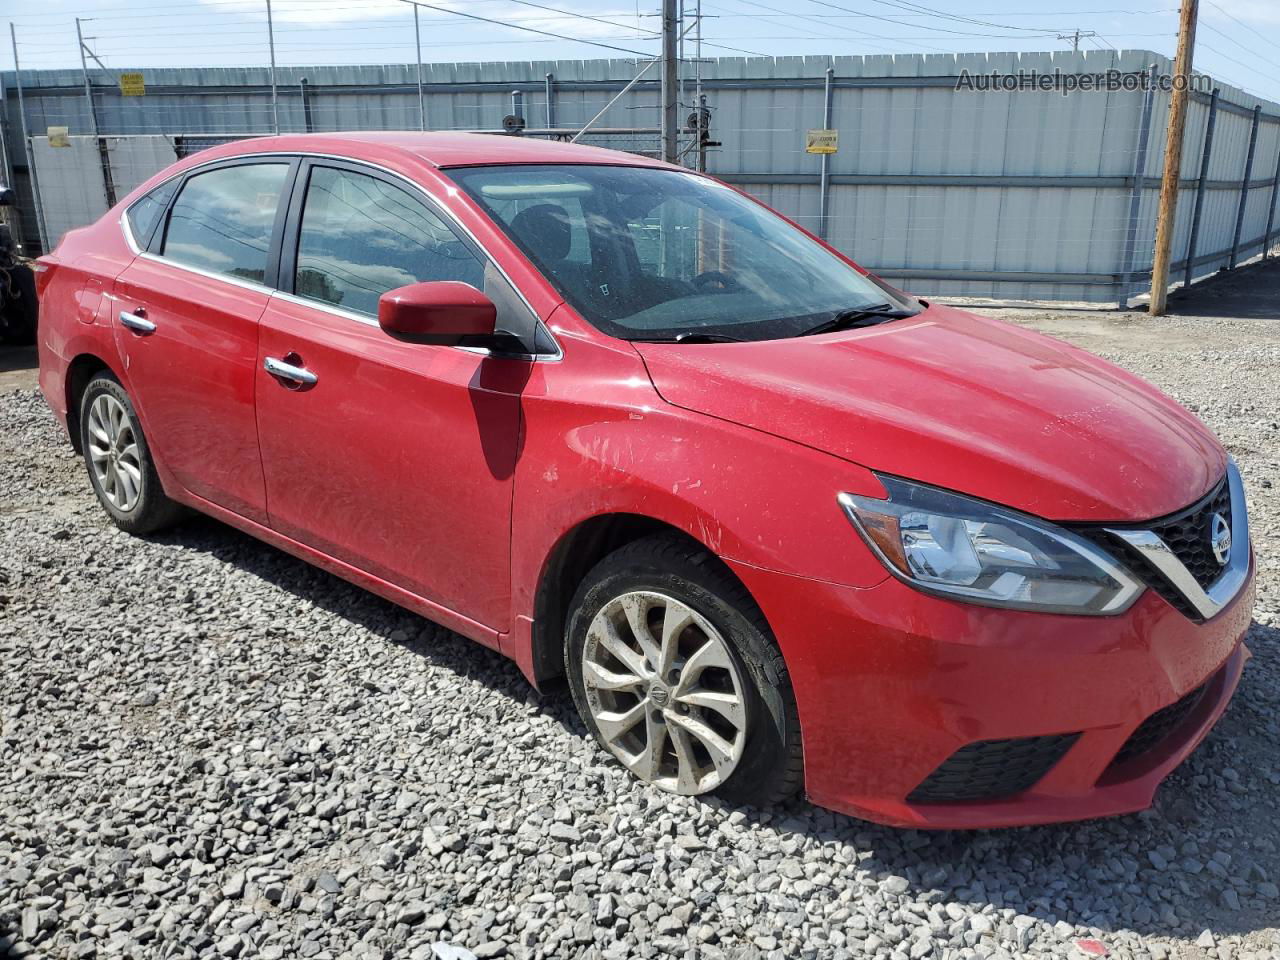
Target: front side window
x,y
222,220
361,237
651,254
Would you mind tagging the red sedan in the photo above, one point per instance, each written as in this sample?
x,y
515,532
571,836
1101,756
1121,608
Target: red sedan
x,y
778,524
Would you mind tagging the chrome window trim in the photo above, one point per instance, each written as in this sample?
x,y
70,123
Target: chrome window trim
x,y
1207,603
436,205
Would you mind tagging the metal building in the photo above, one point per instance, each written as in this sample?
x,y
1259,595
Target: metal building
x,y
937,184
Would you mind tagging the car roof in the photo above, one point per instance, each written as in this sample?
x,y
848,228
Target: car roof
x,y
445,149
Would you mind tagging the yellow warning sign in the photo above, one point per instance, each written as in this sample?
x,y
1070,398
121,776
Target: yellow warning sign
x,y
58,137
132,85
821,141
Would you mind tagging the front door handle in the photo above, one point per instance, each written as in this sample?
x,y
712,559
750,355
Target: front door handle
x,y
136,321
287,371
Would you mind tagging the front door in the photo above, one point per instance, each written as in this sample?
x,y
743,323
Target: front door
x,y
186,320
394,457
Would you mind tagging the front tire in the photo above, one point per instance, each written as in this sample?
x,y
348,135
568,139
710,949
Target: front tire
x,y
674,670
119,462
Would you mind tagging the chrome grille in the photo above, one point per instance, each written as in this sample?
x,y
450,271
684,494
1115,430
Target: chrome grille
x,y
1188,534
1174,554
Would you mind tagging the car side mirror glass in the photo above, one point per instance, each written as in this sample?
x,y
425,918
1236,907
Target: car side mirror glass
x,y
443,312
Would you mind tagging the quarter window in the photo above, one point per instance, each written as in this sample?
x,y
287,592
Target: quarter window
x,y
146,212
222,220
361,237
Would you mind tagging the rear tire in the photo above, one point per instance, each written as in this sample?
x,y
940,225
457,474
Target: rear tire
x,y
709,710
119,461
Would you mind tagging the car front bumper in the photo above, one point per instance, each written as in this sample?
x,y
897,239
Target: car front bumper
x,y
891,682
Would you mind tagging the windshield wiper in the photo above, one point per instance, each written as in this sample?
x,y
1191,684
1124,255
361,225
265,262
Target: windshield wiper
x,y
856,317
690,336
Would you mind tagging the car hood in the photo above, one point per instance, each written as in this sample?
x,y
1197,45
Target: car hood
x,y
972,404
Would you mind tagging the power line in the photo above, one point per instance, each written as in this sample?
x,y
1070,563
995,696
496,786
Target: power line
x,y
907,5
580,16
1230,39
864,16
826,3
857,33
512,26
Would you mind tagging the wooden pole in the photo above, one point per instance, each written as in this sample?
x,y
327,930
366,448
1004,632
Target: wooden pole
x,y
1166,216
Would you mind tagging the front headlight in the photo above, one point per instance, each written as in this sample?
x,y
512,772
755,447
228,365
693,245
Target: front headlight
x,y
948,544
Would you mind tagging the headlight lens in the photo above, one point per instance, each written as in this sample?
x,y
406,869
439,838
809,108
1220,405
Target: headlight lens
x,y
945,543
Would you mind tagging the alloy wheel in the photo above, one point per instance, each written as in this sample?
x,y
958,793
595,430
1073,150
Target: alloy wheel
x,y
114,453
665,692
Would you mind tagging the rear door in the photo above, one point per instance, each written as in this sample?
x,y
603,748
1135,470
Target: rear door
x,y
186,313
394,457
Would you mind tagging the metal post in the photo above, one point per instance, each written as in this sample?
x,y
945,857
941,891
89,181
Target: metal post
x,y
824,186
549,87
417,45
704,132
517,104
41,226
1200,187
1138,178
697,69
307,123
681,99
88,88
1271,211
271,46
6,168
1244,187
670,120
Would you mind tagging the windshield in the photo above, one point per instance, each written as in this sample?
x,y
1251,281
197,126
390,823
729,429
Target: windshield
x,y
651,254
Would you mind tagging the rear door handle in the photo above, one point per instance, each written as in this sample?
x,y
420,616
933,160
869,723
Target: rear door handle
x,y
137,322
287,371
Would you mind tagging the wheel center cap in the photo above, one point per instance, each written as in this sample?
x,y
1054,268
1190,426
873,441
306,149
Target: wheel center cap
x,y
659,694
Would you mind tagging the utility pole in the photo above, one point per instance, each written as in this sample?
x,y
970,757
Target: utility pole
x,y
1168,209
670,85
1076,36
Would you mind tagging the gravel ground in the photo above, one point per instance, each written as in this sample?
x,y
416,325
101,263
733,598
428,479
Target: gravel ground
x,y
208,748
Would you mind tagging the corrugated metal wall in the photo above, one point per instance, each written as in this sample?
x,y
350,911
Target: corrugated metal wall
x,y
947,191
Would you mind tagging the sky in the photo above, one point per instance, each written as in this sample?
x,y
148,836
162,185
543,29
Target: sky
x,y
1238,40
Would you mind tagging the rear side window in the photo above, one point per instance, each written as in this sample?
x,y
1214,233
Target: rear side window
x,y
361,237
222,220
146,212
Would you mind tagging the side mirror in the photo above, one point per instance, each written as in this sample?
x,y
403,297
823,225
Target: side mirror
x,y
443,312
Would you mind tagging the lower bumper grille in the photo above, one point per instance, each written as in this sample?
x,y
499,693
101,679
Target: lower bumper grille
x,y
990,769
1159,725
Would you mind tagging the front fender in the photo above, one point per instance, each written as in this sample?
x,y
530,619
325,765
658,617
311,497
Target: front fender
x,y
612,445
